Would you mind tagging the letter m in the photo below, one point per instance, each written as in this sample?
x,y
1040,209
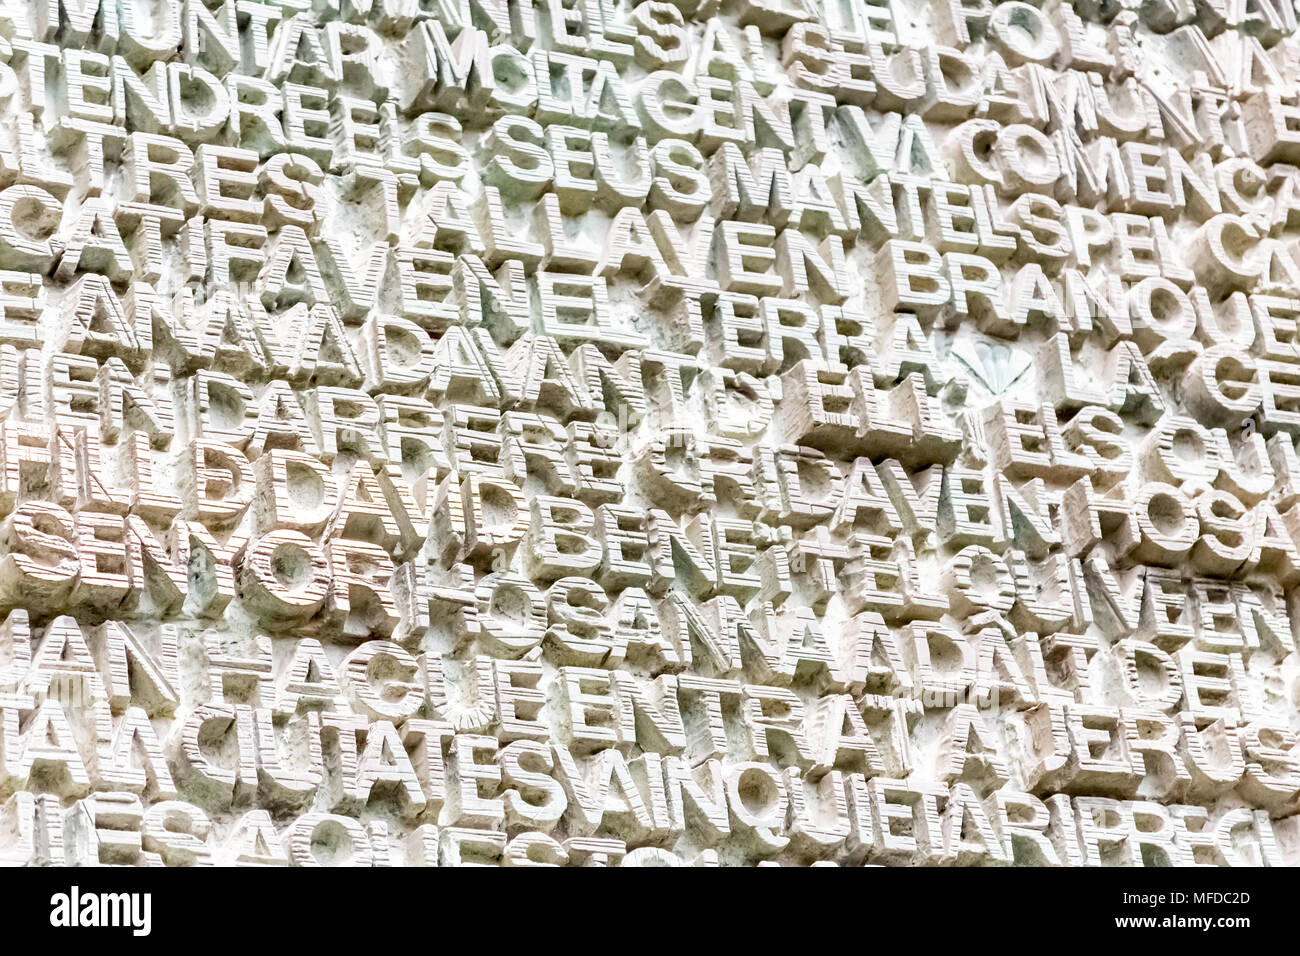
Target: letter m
x,y
115,909
760,190
71,21
459,69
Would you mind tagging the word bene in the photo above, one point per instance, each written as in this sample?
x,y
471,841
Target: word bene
x,y
596,432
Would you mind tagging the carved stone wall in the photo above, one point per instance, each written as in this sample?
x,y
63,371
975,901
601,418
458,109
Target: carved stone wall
x,y
597,432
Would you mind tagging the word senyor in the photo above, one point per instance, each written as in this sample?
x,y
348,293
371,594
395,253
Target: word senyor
x,y
597,432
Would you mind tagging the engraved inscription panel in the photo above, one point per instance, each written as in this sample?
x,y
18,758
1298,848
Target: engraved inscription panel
x,y
677,432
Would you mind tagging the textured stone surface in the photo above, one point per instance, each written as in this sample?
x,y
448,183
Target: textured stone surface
x,y
597,433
